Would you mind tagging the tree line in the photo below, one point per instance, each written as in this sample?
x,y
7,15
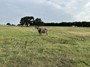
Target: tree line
x,y
31,21
77,24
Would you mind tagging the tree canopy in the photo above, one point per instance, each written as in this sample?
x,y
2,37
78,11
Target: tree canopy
x,y
38,22
28,20
8,24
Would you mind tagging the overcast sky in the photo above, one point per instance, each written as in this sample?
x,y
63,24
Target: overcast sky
x,y
49,10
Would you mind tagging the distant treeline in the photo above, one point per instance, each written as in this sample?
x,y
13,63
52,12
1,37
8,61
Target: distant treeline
x,y
31,21
75,24
79,24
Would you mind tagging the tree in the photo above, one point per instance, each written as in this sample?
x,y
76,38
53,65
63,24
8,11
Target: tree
x,y
8,24
38,22
28,20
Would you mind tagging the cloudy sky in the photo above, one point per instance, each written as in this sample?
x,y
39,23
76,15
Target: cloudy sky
x,y
49,10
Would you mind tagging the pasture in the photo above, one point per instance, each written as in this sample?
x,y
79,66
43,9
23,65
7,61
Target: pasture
x,y
62,47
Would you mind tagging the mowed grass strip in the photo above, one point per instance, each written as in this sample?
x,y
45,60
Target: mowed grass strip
x,y
24,47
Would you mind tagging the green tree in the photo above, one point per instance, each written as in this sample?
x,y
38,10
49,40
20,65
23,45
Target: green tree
x,y
38,22
8,24
28,20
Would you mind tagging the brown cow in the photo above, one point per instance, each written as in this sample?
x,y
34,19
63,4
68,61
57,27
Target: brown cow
x,y
41,30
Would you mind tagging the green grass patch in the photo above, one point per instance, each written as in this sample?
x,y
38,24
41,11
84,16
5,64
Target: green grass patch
x,y
62,47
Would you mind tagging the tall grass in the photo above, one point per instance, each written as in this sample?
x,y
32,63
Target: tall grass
x,y
62,47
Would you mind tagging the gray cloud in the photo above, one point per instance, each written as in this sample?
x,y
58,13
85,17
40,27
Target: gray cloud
x,y
49,10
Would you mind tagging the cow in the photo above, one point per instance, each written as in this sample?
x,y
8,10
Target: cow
x,y
41,30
